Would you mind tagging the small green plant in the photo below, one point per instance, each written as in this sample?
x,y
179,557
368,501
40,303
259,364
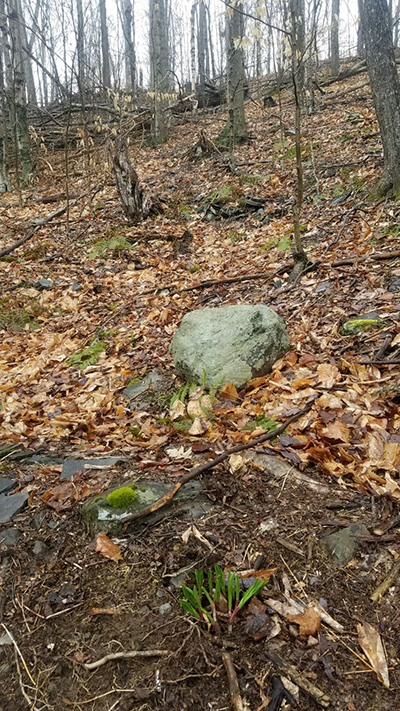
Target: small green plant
x,y
194,268
263,422
182,393
105,246
345,138
89,355
221,195
235,237
121,498
284,244
390,230
202,600
251,179
184,211
182,425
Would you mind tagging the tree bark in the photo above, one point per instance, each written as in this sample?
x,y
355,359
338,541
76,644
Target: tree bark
x,y
129,37
136,203
335,63
235,70
159,67
105,48
385,89
18,99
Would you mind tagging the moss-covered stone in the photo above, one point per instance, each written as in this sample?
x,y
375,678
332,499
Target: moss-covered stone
x,y
101,516
359,325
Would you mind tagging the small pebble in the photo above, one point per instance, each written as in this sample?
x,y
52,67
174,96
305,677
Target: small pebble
x,y
165,609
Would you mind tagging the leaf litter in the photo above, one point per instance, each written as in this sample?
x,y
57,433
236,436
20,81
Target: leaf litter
x,y
130,302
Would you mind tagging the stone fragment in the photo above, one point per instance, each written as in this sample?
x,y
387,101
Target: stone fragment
x,y
71,466
7,484
9,538
228,344
165,609
101,517
12,504
343,544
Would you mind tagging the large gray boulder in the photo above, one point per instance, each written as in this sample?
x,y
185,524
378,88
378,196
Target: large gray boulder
x,y
229,344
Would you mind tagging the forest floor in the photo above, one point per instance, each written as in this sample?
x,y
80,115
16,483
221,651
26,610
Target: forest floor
x,y
65,603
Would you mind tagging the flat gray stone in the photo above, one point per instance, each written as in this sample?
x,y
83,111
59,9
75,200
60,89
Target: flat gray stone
x,y
228,344
9,537
144,392
99,516
12,504
5,640
7,484
165,609
71,466
343,545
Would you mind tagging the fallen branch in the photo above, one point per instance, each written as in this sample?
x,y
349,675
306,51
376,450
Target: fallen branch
x,y
376,257
125,655
227,280
291,671
234,691
196,471
387,583
41,223
30,234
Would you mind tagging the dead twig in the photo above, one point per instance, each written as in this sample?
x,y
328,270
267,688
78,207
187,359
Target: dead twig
x,y
196,471
387,583
234,691
375,257
295,676
41,223
126,655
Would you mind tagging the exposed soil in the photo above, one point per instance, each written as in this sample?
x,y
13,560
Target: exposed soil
x,y
64,603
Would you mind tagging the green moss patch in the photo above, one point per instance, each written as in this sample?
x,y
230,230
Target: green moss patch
x,y
121,498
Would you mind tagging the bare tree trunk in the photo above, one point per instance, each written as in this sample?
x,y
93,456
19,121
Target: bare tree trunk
x,y
129,37
193,46
4,172
385,89
105,48
335,62
211,45
80,44
299,254
202,44
18,92
159,67
235,71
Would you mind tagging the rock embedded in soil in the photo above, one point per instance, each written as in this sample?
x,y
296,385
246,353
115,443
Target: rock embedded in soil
x,y
71,466
343,544
9,537
11,505
228,344
99,516
7,484
148,391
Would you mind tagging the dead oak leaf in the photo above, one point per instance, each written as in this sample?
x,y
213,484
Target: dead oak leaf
x,y
328,374
309,622
106,548
337,430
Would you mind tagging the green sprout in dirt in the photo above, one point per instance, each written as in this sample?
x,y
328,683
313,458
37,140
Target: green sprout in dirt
x,y
202,600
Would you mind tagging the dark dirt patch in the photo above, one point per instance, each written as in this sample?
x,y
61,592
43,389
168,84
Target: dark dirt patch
x,y
49,592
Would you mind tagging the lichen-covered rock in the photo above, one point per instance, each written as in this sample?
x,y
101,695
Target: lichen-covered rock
x,y
228,344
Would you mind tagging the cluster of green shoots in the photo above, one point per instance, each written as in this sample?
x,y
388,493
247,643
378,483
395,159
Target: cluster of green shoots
x,y
202,600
